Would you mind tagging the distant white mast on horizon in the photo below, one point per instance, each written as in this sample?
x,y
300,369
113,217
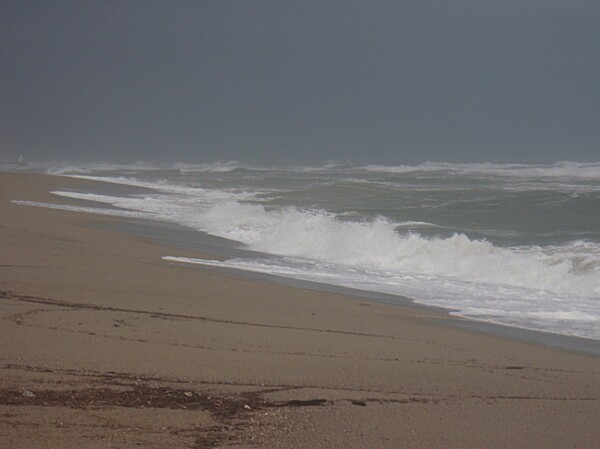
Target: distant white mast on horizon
x,y
20,157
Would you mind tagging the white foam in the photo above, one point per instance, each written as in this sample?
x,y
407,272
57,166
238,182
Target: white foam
x,y
319,235
590,170
69,168
514,306
564,169
91,210
409,224
83,168
557,286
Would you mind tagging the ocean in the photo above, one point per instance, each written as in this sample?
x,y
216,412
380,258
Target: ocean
x,y
512,244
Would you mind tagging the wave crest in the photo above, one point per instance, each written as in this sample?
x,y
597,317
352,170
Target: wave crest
x,y
319,235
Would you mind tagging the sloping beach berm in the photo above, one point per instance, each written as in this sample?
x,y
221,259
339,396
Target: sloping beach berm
x,y
103,344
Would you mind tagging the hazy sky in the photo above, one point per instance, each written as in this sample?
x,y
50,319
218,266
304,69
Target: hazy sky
x,y
300,81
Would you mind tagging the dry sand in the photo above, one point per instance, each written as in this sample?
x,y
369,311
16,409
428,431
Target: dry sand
x,y
103,344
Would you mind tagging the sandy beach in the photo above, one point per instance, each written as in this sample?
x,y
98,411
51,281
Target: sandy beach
x,y
104,344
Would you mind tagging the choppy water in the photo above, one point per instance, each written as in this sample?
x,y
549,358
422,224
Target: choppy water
x,y
508,243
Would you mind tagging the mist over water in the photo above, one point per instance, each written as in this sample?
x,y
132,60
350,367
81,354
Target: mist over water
x,y
513,244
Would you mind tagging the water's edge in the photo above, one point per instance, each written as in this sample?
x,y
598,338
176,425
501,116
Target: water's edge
x,y
180,237
173,235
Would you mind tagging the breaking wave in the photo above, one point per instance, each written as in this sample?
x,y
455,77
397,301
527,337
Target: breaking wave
x,y
539,269
584,170
375,244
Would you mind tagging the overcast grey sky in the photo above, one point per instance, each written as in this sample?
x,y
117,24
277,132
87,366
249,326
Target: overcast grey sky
x,y
300,81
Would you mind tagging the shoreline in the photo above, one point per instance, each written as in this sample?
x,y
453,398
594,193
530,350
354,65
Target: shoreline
x,y
556,322
218,248
91,312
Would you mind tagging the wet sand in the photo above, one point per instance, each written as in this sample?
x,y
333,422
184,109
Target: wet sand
x,y
103,344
